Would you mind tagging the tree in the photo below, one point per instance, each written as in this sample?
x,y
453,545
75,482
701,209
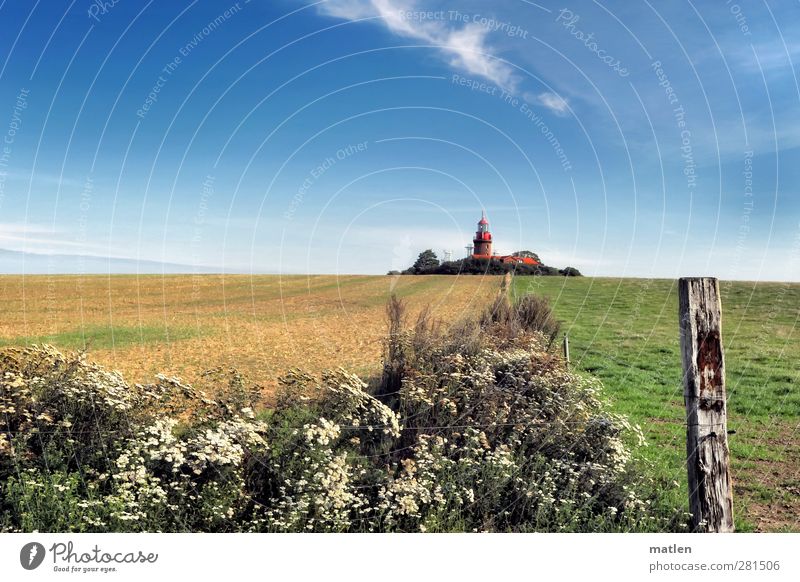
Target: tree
x,y
527,254
426,261
570,272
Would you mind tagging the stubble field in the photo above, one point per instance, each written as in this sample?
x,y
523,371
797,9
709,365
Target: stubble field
x,y
263,325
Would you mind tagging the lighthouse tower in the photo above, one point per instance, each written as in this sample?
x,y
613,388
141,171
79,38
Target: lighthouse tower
x,y
483,239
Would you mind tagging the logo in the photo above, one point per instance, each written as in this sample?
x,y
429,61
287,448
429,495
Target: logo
x,y
31,555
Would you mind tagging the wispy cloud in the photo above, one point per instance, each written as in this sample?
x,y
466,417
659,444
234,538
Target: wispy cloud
x,y
553,102
40,238
42,178
771,56
558,258
414,238
23,228
464,47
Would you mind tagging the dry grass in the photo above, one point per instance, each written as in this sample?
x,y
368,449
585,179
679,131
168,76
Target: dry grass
x,y
261,325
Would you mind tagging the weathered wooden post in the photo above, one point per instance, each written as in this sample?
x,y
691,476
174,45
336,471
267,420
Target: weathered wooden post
x,y
710,491
566,350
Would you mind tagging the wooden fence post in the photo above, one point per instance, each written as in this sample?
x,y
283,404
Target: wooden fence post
x,y
566,350
710,491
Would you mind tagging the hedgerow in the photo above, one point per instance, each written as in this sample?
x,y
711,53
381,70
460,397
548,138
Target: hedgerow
x,y
477,427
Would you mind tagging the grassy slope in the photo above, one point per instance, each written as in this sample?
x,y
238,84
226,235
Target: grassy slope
x,y
626,332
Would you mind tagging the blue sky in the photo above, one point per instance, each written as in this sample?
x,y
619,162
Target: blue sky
x,y
629,139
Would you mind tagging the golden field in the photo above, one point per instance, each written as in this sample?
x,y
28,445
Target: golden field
x,y
184,324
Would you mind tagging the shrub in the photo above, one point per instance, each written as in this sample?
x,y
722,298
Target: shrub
x,y
82,450
61,412
498,435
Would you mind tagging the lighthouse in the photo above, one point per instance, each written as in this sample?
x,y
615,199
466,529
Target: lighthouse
x,y
483,239
481,248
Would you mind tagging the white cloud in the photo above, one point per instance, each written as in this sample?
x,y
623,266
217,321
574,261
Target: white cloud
x,y
413,239
465,48
770,56
553,102
558,258
22,228
348,9
43,178
39,238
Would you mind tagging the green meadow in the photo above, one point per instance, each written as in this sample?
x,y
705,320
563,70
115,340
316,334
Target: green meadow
x,y
625,331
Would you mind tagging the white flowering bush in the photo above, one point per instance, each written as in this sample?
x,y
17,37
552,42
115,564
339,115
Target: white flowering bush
x,y
82,450
480,427
328,455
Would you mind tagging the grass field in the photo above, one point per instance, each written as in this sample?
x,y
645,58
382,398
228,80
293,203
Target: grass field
x,y
625,331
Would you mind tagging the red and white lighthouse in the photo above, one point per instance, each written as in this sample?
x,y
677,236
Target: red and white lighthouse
x,y
481,248
483,239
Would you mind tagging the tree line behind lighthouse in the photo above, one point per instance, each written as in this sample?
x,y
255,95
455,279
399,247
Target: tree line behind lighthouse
x,y
481,259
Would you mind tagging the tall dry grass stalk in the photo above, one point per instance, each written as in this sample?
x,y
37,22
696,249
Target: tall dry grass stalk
x,y
531,313
502,320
